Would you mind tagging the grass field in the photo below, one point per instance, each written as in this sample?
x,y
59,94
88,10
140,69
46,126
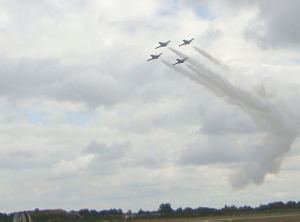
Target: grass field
x,y
275,217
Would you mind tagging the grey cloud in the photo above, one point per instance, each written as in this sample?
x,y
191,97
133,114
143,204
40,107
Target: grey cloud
x,y
111,158
107,152
224,150
95,159
277,23
22,160
28,78
221,119
97,84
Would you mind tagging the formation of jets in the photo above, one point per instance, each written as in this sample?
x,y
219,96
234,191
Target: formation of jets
x,y
165,44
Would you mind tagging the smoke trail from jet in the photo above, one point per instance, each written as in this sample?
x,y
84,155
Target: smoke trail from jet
x,y
232,92
211,58
280,130
192,76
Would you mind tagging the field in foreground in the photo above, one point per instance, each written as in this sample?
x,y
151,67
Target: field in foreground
x,y
275,217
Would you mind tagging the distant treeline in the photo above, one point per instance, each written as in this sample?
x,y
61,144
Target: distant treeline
x,y
164,211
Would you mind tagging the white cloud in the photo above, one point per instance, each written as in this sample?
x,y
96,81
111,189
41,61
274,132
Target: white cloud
x,y
73,166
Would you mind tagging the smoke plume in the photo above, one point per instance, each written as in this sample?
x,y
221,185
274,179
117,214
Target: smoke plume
x,y
275,121
211,58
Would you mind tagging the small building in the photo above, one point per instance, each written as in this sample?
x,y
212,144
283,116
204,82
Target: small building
x,y
22,217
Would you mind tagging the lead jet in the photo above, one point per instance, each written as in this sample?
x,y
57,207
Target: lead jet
x,y
186,42
163,44
154,56
180,61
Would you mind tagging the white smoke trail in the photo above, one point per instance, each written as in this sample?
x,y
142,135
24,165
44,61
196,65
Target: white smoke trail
x,y
280,130
232,92
211,58
196,78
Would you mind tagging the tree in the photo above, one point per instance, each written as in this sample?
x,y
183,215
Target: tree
x,y
84,212
165,208
179,210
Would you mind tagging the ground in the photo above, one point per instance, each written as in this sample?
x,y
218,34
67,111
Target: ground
x,y
275,217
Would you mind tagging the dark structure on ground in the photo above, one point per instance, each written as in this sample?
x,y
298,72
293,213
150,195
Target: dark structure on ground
x,y
22,217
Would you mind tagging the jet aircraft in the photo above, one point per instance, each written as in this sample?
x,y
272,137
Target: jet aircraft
x,y
180,61
163,44
186,42
154,56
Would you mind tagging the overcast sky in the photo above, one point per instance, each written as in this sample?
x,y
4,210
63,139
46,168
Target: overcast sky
x,y
85,122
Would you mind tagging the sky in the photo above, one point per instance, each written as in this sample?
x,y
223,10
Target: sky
x,y
86,122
